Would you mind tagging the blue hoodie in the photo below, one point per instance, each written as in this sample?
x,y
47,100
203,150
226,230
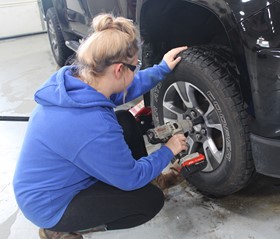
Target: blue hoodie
x,y
73,140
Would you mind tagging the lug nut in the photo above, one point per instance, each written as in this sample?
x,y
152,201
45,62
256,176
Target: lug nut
x,y
193,113
203,131
198,136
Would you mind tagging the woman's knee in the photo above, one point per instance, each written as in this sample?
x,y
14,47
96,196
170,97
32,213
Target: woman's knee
x,y
132,133
154,200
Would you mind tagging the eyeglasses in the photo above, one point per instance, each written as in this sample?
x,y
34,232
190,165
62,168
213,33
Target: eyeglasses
x,y
133,68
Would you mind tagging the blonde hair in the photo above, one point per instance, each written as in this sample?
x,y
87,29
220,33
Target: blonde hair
x,y
114,39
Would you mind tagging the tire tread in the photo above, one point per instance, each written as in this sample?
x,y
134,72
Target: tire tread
x,y
223,70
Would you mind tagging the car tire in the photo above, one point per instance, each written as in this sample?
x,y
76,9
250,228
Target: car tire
x,y
205,84
60,51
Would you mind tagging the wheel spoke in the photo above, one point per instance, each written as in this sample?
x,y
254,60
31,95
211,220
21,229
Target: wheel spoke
x,y
185,93
216,126
213,155
209,111
190,91
191,144
172,112
209,117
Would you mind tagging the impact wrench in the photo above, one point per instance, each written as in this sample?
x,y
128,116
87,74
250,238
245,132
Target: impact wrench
x,y
189,163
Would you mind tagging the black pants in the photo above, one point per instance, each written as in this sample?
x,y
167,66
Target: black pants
x,y
102,204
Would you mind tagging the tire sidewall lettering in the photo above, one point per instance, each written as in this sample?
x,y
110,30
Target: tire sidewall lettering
x,y
223,121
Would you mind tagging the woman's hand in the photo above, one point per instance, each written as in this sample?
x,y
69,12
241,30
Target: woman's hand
x,y
171,57
177,143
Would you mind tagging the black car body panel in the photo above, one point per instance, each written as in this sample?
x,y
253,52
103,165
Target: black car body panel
x,y
250,28
253,30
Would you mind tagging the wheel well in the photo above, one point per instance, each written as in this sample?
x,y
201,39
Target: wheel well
x,y
180,23
166,24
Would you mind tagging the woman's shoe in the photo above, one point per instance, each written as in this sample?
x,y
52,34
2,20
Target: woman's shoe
x,y
47,234
168,180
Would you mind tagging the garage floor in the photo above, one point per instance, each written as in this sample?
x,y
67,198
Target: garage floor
x,y
252,213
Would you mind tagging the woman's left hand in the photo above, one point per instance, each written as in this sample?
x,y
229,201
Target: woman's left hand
x,y
171,56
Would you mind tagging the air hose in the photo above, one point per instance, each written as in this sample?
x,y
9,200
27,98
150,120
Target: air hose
x,y
14,118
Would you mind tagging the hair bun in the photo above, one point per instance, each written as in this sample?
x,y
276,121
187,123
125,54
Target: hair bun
x,y
107,21
102,22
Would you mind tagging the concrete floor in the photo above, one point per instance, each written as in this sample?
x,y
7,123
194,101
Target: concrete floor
x,y
252,213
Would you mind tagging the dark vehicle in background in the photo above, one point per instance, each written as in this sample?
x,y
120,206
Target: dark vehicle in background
x,y
230,75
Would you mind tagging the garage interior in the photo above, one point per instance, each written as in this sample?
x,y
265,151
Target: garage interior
x,y
26,63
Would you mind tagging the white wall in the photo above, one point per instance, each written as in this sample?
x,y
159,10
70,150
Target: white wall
x,y
19,17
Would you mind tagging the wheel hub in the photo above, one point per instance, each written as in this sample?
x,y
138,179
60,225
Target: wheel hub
x,y
199,131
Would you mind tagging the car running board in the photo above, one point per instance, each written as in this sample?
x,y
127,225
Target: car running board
x,y
73,45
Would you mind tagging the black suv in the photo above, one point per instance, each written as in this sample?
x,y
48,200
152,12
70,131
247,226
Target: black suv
x,y
230,75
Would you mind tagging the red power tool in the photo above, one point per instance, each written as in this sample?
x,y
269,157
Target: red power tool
x,y
189,163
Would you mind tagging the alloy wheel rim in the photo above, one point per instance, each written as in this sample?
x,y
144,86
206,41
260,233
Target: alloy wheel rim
x,y
183,100
53,38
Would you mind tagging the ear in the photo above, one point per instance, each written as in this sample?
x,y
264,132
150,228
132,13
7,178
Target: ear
x,y
118,70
